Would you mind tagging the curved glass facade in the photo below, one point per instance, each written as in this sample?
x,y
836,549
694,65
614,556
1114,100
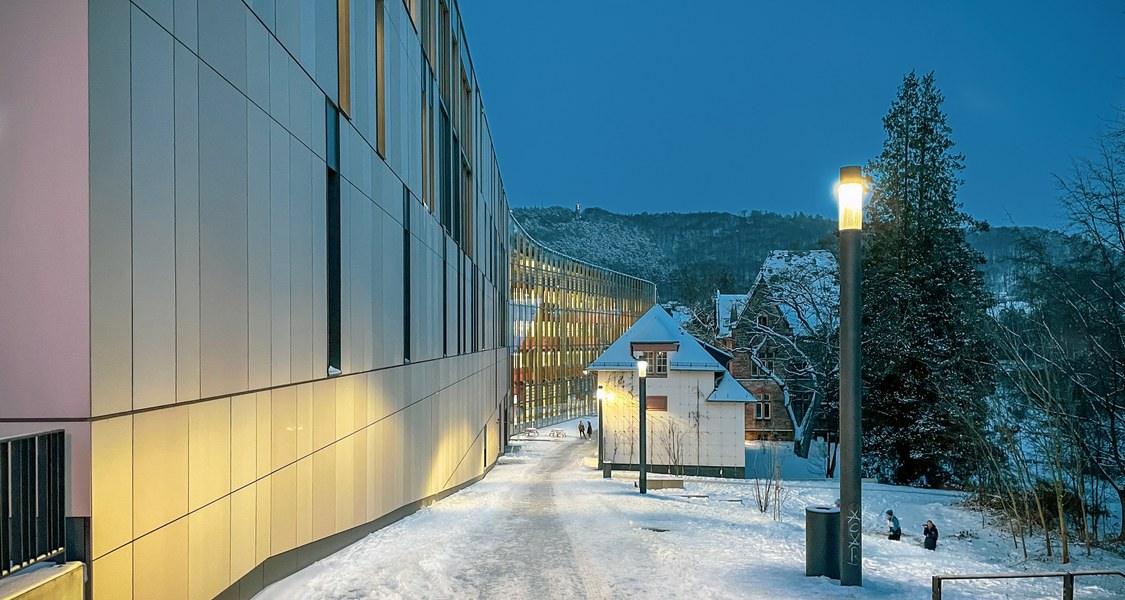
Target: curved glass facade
x,y
564,312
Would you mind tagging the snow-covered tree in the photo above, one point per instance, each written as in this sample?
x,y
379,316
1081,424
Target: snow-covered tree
x,y
925,345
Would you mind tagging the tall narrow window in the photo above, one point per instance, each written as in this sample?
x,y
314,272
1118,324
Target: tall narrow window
x,y
380,80
460,304
445,166
332,222
455,189
405,273
344,54
444,298
425,113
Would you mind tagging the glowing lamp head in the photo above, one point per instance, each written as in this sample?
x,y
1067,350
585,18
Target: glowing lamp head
x,y
601,393
642,368
850,192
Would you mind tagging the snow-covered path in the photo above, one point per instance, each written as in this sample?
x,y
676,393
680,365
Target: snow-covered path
x,y
545,524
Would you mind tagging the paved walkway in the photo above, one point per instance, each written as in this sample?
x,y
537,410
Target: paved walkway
x,y
547,554
543,523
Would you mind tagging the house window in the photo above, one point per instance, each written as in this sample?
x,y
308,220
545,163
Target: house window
x,y
763,366
656,403
763,320
762,408
657,363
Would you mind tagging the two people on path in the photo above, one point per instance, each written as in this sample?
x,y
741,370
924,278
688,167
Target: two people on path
x,y
586,431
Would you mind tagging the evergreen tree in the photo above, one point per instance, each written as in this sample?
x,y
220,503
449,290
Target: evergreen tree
x,y
925,345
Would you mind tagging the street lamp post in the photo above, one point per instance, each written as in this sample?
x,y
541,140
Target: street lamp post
x,y
850,192
642,373
606,468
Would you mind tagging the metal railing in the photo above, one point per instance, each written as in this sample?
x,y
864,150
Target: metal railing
x,y
1067,579
32,496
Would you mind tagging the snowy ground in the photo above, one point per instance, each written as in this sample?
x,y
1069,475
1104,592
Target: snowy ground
x,y
544,523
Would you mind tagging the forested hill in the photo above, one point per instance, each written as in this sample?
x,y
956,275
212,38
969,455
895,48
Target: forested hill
x,y
689,255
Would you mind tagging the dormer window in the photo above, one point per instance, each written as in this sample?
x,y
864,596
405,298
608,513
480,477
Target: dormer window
x,y
655,354
764,320
657,363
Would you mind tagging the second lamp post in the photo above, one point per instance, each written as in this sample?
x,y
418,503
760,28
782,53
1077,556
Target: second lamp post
x,y
642,374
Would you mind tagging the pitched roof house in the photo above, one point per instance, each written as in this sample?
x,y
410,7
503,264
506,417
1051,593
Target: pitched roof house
x,y
794,299
694,406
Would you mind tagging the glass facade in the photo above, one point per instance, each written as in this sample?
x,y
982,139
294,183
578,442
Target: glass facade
x,y
564,313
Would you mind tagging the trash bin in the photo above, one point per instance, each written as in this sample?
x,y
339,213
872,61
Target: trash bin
x,y
822,541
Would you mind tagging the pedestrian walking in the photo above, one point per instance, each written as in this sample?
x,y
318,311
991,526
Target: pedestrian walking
x,y
894,531
589,430
930,531
581,430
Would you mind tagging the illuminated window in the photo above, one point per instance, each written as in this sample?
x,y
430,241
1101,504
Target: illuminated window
x,y
659,403
657,363
344,58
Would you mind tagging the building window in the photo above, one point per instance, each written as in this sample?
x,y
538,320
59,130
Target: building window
x,y
763,320
332,237
380,80
659,403
344,55
405,273
657,363
763,366
762,408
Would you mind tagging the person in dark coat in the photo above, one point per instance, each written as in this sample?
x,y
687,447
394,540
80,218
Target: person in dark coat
x,y
581,430
589,430
930,531
894,531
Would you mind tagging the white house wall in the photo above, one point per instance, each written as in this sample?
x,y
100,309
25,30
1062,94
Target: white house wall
x,y
717,441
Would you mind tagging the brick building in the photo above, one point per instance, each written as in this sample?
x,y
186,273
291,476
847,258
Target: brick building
x,y
779,334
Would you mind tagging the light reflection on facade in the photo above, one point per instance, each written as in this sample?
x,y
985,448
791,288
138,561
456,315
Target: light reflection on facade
x,y
564,312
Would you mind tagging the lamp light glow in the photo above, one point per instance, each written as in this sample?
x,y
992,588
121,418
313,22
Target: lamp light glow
x,y
600,393
642,368
850,193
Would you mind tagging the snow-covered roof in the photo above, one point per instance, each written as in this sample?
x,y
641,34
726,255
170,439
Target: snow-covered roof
x,y
728,307
729,390
657,326
802,285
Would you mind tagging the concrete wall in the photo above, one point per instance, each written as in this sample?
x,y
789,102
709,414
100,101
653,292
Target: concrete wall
x,y
46,582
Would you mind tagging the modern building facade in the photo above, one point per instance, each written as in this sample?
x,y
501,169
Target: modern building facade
x,y
257,260
564,313
255,264
694,407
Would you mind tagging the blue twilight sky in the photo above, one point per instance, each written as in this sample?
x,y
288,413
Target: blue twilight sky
x,y
726,105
